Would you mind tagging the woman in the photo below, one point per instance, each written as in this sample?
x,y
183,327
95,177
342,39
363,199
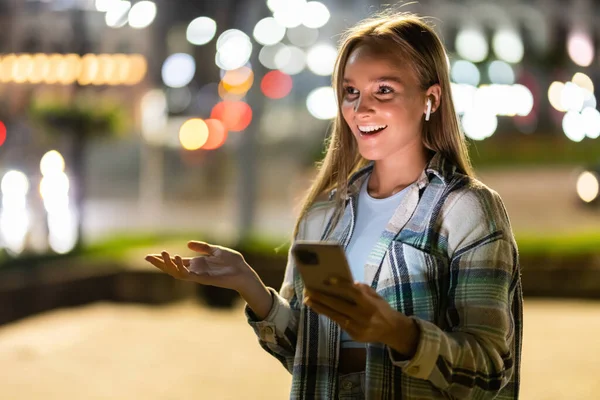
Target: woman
x,y
438,310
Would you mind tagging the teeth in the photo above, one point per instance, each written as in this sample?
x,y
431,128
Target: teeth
x,y
367,129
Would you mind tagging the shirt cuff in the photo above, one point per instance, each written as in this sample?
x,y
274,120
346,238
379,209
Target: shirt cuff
x,y
276,321
422,364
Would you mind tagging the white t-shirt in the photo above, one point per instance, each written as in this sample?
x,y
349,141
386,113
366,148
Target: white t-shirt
x,y
372,216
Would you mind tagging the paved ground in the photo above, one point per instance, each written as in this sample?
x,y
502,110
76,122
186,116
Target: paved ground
x,y
186,351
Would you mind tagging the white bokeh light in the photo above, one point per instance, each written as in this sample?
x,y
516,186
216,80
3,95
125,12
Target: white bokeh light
x,y
267,55
14,183
142,14
234,49
321,103
591,122
572,97
105,5
555,95
116,16
316,14
275,5
479,125
268,31
580,48
471,45
522,100
291,60
588,186
154,116
465,72
583,81
302,36
508,45
501,72
178,70
321,59
292,14
573,126
201,31
462,97
51,163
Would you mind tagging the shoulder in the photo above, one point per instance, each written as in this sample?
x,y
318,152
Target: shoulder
x,y
316,218
472,212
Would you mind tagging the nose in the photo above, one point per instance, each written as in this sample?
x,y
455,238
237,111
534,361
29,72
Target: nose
x,y
362,105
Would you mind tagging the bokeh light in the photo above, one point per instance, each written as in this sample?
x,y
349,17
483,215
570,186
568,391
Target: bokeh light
x,y
580,48
321,59
316,14
2,133
235,115
51,163
302,36
276,84
591,122
105,5
238,81
14,183
154,116
178,99
291,14
268,31
508,45
471,45
234,49
142,14
555,95
465,72
573,126
201,31
479,124
178,70
588,186
501,72
583,81
117,13
267,55
572,97
321,103
193,134
217,134
291,60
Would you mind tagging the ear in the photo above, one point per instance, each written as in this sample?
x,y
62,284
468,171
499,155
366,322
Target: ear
x,y
435,94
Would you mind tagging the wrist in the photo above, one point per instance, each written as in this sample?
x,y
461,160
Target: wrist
x,y
404,336
257,296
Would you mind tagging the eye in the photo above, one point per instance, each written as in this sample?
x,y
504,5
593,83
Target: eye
x,y
384,89
350,91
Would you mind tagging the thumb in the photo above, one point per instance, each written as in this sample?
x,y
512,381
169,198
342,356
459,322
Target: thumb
x,y
201,247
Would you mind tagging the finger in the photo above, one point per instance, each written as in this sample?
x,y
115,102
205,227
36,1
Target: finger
x,y
158,262
332,314
201,247
186,260
334,302
179,263
170,265
366,289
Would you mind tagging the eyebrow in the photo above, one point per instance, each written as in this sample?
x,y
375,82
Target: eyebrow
x,y
380,79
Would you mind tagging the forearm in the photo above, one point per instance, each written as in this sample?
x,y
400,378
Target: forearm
x,y
258,298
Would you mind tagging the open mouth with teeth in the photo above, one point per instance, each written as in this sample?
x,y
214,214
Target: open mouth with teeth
x,y
371,130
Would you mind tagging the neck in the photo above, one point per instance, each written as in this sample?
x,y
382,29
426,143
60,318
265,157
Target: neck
x,y
392,174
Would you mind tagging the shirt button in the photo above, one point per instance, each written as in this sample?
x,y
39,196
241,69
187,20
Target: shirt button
x,y
267,330
347,385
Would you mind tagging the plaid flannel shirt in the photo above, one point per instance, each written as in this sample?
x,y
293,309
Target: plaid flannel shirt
x,y
447,259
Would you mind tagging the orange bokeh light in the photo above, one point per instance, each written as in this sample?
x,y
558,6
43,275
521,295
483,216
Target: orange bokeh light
x,y
235,115
2,133
276,84
193,134
217,134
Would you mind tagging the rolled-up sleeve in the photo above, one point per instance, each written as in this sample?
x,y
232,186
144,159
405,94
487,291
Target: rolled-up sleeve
x,y
475,355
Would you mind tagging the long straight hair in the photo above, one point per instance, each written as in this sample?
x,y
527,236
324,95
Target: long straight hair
x,y
401,37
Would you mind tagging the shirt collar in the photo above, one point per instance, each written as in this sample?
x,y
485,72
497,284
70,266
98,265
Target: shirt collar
x,y
438,167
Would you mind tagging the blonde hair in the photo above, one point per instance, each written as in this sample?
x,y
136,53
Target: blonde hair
x,y
393,35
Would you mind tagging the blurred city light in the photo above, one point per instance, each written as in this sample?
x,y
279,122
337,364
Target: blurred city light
x,y
591,122
201,31
291,13
321,59
142,14
178,70
479,124
580,48
275,5
290,59
573,126
321,103
276,84
2,133
235,115
465,72
302,36
154,116
193,134
572,97
555,95
178,99
462,96
588,186
238,81
51,163
14,217
316,14
267,55
583,81
508,45
116,15
217,134
234,49
268,31
501,72
105,5
471,45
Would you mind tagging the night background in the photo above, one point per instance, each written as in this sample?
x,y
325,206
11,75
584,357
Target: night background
x,y
131,127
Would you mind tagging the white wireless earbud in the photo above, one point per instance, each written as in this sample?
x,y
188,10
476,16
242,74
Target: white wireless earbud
x,y
428,110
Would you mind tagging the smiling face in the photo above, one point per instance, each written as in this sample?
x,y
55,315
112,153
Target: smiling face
x,y
382,104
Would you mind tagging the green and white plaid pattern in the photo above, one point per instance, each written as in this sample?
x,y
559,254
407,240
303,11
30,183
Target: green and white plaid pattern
x,y
448,259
